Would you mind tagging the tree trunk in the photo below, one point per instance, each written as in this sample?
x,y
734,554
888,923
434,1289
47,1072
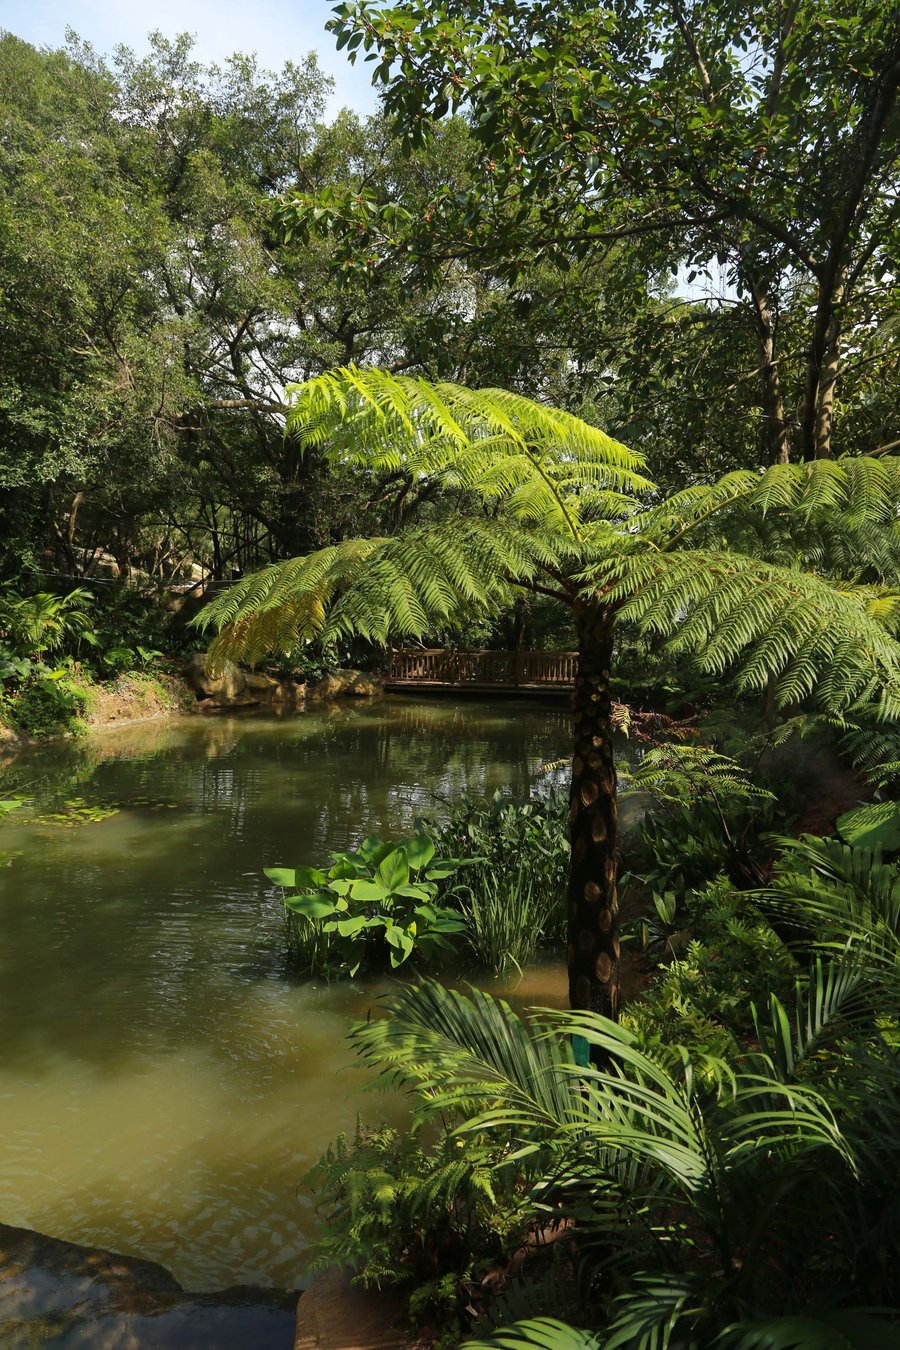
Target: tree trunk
x,y
823,367
593,944
827,380
778,449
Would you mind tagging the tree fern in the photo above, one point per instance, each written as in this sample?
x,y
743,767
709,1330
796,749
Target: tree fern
x,y
544,501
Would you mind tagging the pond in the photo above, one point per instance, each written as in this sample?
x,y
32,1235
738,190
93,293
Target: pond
x,y
163,1084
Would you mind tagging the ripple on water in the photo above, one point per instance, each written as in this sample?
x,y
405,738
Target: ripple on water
x,y
163,1087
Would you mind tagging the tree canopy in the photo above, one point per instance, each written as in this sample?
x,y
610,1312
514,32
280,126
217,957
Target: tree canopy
x,y
765,140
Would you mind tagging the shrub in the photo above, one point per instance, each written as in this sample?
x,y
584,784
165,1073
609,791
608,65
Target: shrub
x,y
48,703
724,951
428,1220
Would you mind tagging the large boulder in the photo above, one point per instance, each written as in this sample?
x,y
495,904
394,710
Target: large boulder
x,y
344,684
230,687
227,684
54,1292
335,1314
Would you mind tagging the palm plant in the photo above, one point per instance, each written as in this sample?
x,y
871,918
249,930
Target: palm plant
x,y
497,494
714,1204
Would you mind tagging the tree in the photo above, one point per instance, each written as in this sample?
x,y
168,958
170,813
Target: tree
x,y
506,495
766,139
152,309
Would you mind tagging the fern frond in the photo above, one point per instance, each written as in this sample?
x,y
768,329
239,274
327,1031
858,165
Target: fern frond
x,y
543,466
857,492
378,588
777,622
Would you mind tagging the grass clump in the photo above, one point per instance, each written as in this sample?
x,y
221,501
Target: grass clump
x,y
513,893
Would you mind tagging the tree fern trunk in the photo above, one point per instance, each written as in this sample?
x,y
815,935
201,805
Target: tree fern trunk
x,y
593,944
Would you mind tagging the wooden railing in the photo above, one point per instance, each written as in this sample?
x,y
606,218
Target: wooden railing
x,y
511,670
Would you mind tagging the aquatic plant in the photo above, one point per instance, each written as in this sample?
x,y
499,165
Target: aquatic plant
x,y
379,901
513,894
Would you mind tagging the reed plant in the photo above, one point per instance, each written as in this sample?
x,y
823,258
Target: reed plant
x,y
508,915
513,893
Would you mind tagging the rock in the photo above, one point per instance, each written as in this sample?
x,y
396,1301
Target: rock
x,y
344,684
264,687
86,1298
334,1314
227,684
235,688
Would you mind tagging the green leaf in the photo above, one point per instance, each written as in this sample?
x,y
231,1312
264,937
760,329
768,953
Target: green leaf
x,y
344,870
312,906
373,849
539,1333
419,851
393,871
309,878
401,944
875,825
350,927
282,876
368,891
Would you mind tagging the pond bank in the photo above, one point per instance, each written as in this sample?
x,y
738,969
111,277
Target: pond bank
x,y
139,697
127,700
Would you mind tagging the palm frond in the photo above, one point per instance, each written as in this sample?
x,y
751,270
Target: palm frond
x,y
471,1051
826,999
848,1329
647,1316
538,1333
841,898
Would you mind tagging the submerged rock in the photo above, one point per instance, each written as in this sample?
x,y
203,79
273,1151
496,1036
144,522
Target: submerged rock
x,y
59,1294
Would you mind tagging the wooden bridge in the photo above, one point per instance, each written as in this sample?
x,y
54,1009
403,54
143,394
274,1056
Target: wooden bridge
x,y
481,672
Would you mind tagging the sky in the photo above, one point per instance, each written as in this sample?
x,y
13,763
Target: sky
x,y
277,30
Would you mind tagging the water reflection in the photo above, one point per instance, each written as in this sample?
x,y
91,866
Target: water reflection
x,y
163,1086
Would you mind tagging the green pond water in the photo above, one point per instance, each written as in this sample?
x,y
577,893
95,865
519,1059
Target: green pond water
x,y
163,1083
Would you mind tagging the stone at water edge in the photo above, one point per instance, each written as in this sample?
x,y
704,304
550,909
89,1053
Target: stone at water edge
x,y
54,1292
229,683
334,1314
233,687
344,684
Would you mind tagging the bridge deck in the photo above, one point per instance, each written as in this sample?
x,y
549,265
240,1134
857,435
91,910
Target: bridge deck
x,y
445,671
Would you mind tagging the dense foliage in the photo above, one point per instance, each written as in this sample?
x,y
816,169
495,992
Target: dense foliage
x,y
721,1178
443,375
